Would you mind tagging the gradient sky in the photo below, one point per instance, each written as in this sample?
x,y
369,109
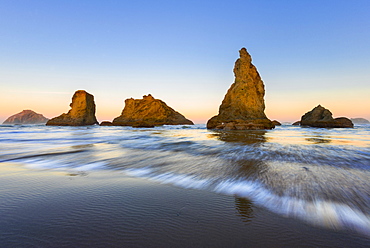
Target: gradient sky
x,y
183,52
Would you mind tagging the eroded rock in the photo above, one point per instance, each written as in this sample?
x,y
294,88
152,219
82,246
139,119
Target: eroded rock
x,y
243,106
149,112
82,112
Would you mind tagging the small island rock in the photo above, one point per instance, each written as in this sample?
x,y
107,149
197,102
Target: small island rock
x,y
243,106
297,123
149,112
82,112
322,117
26,117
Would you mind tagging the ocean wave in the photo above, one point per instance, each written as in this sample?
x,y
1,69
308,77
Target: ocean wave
x,y
318,211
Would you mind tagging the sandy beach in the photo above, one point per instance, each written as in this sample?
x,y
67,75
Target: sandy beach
x,y
51,208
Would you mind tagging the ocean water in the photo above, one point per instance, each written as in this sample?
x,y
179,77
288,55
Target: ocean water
x,y
320,176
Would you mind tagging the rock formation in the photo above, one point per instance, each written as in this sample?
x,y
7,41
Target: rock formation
x,y
322,117
276,123
243,106
26,117
360,121
106,123
149,112
297,123
82,112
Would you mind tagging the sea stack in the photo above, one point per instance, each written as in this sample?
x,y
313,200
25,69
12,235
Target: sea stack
x,y
243,106
26,117
149,112
322,117
82,112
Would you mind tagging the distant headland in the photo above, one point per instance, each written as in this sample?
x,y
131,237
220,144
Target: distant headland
x,y
26,117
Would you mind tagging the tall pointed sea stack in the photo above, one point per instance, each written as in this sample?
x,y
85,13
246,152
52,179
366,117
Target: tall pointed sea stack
x,y
82,112
243,106
149,112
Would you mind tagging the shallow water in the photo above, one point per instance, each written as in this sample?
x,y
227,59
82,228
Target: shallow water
x,y
317,175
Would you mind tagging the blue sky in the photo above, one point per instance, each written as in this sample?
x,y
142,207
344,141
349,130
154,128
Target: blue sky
x,y
183,52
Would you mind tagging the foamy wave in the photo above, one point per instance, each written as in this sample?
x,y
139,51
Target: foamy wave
x,y
183,181
318,212
46,164
90,166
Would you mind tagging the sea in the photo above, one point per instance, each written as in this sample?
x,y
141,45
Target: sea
x,y
317,175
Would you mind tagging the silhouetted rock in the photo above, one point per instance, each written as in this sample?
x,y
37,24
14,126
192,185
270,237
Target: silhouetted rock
x,y
243,106
297,123
106,123
322,117
82,112
360,121
26,117
149,112
276,123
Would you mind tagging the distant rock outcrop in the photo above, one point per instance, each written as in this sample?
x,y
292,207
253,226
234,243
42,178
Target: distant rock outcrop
x,y
243,106
149,112
106,123
360,121
297,123
322,117
82,112
276,123
26,117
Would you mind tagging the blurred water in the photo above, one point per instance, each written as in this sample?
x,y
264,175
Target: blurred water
x,y
319,175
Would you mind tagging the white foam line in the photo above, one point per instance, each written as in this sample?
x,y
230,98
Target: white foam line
x,y
319,212
324,213
90,166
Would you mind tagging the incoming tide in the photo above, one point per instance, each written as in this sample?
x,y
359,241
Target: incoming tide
x,y
321,176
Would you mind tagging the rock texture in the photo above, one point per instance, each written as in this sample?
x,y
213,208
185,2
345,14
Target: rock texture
x,y
360,121
26,117
149,112
322,117
243,106
82,112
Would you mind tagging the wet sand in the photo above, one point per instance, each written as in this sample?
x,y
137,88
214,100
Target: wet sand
x,y
49,208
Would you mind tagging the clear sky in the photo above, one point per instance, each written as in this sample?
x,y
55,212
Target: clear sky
x,y
183,52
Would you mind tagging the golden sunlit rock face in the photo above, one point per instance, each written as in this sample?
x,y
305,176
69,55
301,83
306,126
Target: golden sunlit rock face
x,y
82,112
243,106
26,117
322,117
149,112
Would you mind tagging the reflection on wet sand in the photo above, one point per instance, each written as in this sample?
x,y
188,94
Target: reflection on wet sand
x,y
247,137
244,208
